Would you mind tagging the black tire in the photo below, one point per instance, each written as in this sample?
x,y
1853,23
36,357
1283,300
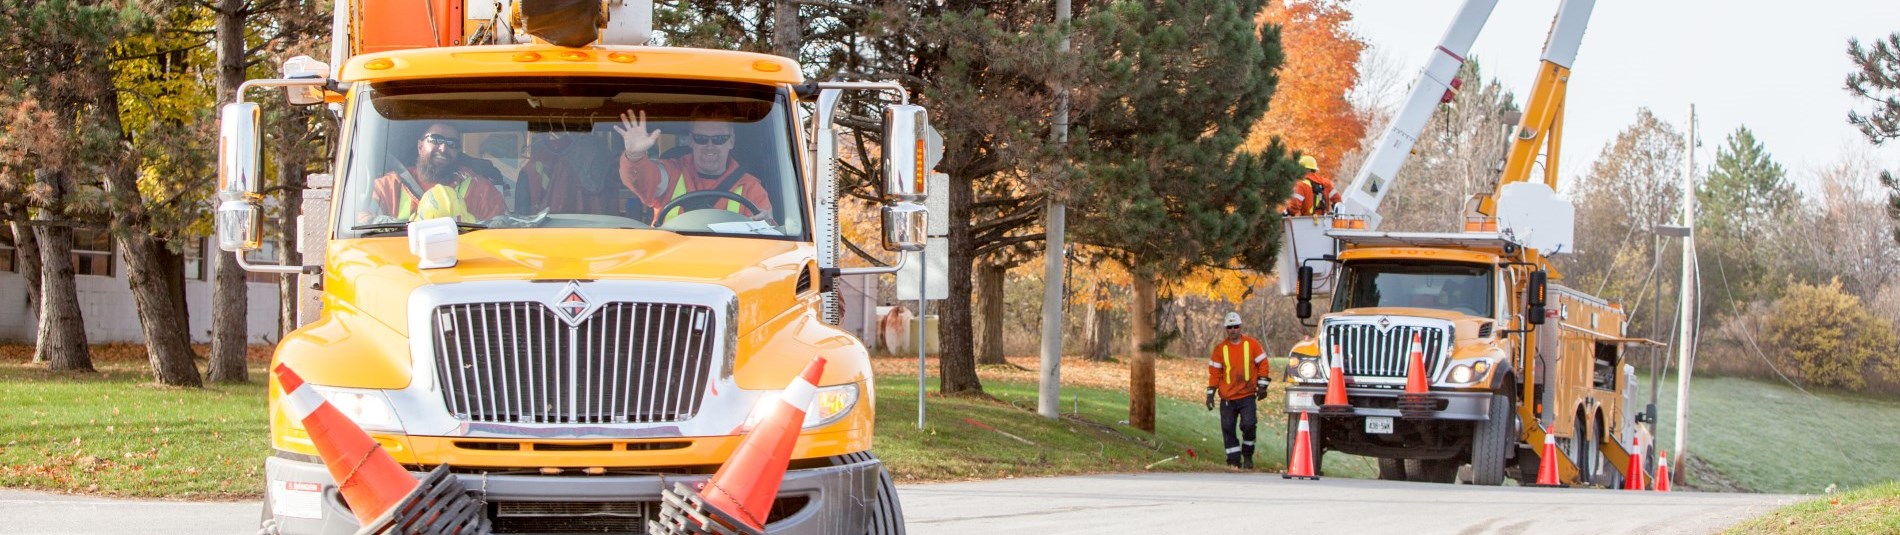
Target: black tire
x,y
1432,470
1392,469
1490,444
887,516
1586,460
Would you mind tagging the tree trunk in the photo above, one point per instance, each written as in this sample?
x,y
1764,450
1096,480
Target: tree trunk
x,y
957,363
787,33
1101,338
989,288
1141,368
62,333
228,299
27,245
167,333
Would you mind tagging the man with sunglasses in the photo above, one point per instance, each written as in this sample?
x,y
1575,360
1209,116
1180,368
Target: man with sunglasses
x,y
1237,375
439,163
708,167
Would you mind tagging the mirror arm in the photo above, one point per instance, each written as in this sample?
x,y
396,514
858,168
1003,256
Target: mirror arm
x,y
239,97
903,95
267,268
902,258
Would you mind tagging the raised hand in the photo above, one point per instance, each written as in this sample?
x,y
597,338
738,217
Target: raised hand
x,y
633,129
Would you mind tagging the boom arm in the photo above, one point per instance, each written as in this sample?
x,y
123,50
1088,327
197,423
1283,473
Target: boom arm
x,y
1369,187
1542,124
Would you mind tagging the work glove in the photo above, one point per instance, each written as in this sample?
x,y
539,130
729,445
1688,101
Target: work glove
x,y
1210,398
1260,388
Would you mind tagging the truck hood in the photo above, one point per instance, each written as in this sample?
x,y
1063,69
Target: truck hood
x,y
1465,327
377,275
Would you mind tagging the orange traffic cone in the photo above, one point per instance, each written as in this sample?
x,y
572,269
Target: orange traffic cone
x,y
370,481
1547,465
1417,401
745,486
1636,481
1336,402
1662,470
1300,461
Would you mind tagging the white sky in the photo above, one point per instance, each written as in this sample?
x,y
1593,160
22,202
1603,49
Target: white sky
x,y
1777,67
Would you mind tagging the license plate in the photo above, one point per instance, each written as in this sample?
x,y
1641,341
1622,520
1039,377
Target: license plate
x,y
1379,425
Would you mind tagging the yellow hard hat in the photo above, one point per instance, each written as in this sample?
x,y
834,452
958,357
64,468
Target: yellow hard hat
x,y
440,201
1309,162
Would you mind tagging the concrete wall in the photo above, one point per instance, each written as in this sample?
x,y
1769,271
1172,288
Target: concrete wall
x,y
111,317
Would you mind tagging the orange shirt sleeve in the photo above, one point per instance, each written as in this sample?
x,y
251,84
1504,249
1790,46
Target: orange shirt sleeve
x,y
1214,367
384,194
1261,364
483,201
755,192
643,178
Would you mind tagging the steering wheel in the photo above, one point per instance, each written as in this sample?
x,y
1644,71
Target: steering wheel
x,y
734,197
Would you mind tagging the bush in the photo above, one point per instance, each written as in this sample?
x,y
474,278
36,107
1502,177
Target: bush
x,y
1830,338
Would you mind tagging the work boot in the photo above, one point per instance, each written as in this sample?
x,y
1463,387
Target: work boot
x,y
1233,460
1246,463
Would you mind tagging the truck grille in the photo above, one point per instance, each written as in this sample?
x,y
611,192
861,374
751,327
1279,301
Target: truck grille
x,y
1371,351
520,362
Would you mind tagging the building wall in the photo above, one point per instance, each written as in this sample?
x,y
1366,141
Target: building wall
x,y
111,317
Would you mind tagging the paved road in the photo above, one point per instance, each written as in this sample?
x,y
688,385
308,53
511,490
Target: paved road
x,y
1146,503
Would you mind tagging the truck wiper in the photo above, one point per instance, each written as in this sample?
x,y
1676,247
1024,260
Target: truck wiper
x,y
403,226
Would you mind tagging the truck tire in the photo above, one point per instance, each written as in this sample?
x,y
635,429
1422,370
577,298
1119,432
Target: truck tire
x,y
1491,444
1432,470
887,515
1392,469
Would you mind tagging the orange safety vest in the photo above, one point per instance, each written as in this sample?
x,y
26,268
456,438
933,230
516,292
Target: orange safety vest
x,y
1232,383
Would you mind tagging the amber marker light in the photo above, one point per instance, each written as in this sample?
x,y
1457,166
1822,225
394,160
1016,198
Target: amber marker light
x,y
622,57
920,165
574,55
379,64
525,57
766,66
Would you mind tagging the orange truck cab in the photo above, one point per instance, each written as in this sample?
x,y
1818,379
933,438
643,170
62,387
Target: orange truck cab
x,y
566,359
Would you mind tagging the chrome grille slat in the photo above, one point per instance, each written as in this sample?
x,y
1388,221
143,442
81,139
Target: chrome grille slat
x,y
1369,351
521,362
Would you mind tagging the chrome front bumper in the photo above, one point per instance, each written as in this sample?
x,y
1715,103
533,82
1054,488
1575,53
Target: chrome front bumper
x,y
1471,406
839,497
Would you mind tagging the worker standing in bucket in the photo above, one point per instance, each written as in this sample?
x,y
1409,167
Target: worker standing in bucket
x,y
1237,376
1314,194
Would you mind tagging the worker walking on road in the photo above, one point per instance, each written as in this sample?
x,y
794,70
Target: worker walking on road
x,y
1237,375
1314,193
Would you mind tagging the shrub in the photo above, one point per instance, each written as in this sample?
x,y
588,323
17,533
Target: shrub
x,y
1830,338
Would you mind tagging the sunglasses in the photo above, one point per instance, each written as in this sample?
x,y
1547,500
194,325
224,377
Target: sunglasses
x,y
1233,327
703,139
443,140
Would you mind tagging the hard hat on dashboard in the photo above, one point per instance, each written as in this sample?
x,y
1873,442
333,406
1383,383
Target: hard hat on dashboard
x,y
1233,320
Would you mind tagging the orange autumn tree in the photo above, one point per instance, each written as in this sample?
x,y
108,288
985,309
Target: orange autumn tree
x,y
1309,109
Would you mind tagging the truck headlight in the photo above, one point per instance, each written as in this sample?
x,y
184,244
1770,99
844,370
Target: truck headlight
x,y
1469,373
828,404
370,410
1306,369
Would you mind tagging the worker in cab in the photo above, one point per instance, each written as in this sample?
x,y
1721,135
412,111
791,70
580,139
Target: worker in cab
x,y
440,163
570,173
1237,379
709,166
1314,194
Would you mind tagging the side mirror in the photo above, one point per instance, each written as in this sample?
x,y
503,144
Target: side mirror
x,y
905,152
1535,297
1303,305
305,68
905,226
239,220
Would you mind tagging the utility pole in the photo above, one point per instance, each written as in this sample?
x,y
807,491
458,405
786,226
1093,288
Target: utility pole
x,y
1049,393
1685,348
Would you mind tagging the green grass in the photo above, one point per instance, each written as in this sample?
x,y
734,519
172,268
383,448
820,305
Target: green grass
x,y
116,433
1769,437
1874,509
1092,440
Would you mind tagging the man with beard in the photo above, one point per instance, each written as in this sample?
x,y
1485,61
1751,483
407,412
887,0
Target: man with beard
x,y
709,167
439,162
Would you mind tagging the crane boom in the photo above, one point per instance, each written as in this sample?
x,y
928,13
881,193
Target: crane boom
x,y
1369,187
1542,124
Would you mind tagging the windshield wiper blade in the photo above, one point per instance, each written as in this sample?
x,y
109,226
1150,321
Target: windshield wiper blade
x,y
403,226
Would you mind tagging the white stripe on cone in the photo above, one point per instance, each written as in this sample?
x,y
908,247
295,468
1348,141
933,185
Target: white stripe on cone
x,y
799,394
300,403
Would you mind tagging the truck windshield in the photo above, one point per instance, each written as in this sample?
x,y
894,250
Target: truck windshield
x,y
708,158
1462,288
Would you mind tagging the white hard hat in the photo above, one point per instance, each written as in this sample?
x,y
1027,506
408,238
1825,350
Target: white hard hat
x,y
1233,320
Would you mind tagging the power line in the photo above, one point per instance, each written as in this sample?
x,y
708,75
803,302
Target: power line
x,y
1747,334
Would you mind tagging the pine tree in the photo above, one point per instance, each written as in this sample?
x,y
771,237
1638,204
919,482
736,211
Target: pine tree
x,y
1877,78
1180,86
1745,198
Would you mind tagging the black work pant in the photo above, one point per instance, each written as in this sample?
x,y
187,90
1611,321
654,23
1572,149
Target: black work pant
x,y
1237,411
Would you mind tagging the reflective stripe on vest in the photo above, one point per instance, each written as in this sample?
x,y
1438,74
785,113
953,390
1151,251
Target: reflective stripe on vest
x,y
406,203
679,188
1246,371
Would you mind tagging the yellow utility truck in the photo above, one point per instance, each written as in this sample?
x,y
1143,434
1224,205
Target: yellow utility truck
x,y
1505,354
571,268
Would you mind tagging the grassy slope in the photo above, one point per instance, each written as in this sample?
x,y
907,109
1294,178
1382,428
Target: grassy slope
x,y
115,433
1769,437
1874,509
